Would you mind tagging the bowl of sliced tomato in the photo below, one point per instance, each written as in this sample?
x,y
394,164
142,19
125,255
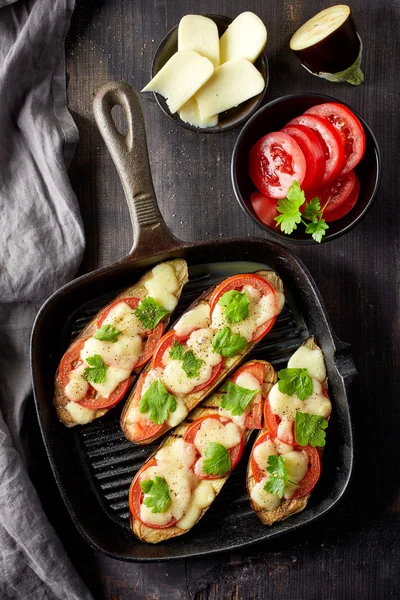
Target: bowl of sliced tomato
x,y
306,167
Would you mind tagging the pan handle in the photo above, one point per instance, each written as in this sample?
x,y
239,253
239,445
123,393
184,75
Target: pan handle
x,y
130,157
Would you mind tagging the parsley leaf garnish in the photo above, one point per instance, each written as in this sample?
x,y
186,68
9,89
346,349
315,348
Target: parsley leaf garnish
x,y
190,364
107,333
217,460
309,429
236,306
157,494
236,398
277,469
156,402
295,381
96,372
150,313
291,215
228,344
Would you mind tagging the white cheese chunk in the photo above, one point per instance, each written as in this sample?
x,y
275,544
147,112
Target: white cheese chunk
x,y
114,376
200,34
123,317
196,318
312,360
261,453
176,417
232,83
262,498
80,414
77,387
247,381
296,464
179,452
180,78
163,285
124,353
189,113
212,430
245,37
203,496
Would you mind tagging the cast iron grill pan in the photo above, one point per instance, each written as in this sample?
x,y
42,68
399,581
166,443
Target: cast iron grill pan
x,y
94,464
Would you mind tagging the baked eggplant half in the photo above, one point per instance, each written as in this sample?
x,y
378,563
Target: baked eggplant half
x,y
178,483
285,461
100,365
205,345
329,46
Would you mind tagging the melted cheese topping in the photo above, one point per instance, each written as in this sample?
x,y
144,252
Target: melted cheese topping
x,y
77,387
212,430
261,310
247,381
179,452
163,285
312,360
124,353
123,318
203,496
79,413
114,376
197,318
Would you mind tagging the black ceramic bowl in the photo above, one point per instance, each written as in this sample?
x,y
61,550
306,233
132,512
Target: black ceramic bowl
x,y
272,117
228,119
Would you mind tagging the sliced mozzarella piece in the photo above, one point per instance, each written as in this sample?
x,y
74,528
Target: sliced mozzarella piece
x,y
123,318
179,413
262,498
212,430
79,413
189,113
196,318
200,34
124,353
163,285
114,376
77,387
180,78
175,379
203,496
312,360
261,453
200,342
296,464
232,83
245,37
178,452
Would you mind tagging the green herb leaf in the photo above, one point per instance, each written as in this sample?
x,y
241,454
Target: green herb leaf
x,y
312,210
191,365
156,402
157,494
236,306
228,344
236,398
150,313
96,372
177,351
276,483
309,429
295,381
289,207
107,333
317,229
217,460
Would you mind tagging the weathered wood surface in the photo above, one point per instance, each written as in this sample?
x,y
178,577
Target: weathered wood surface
x,y
354,551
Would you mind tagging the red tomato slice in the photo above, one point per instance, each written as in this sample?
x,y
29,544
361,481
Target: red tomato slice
x,y
136,498
330,141
309,480
275,161
254,417
338,197
313,153
70,361
166,342
236,282
153,335
349,128
235,452
143,432
265,208
271,420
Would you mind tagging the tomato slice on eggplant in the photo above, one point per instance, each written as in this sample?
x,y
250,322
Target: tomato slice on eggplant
x,y
70,361
147,428
136,498
265,208
275,161
255,417
313,153
349,128
309,480
237,282
331,143
235,452
339,196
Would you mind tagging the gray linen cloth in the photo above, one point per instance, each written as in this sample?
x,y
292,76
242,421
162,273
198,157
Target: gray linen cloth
x,y
41,245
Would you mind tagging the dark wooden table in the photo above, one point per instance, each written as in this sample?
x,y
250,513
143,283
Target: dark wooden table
x,y
354,551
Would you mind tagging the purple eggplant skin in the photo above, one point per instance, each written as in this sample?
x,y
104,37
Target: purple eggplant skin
x,y
335,53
